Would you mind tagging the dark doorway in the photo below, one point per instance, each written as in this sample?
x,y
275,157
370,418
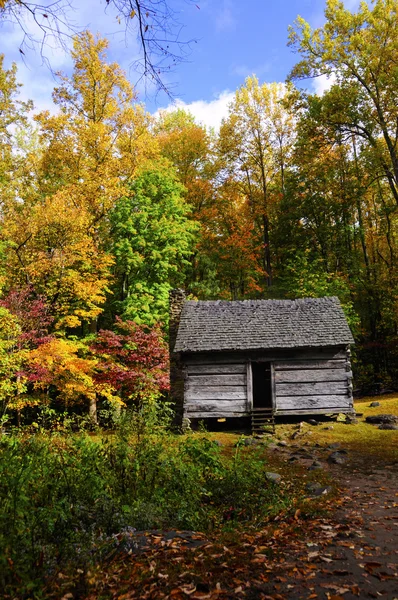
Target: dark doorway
x,y
262,385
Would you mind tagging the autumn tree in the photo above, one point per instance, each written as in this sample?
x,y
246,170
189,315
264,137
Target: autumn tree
x,y
11,360
133,360
255,142
54,231
359,49
13,116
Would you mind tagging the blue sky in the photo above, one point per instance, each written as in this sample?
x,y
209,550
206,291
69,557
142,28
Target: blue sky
x,y
235,39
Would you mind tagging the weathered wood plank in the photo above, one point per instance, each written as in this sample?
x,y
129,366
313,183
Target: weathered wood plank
x,y
330,402
214,415
282,355
249,386
216,369
216,405
221,392
289,365
315,411
209,380
309,375
311,389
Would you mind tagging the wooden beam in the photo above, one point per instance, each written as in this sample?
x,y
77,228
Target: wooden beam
x,y
217,369
222,406
210,380
249,385
312,389
214,415
216,393
312,375
331,402
289,365
315,411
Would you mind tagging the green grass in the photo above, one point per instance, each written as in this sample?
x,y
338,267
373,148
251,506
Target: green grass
x,y
362,438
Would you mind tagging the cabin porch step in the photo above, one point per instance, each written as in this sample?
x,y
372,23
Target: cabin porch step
x,y
262,418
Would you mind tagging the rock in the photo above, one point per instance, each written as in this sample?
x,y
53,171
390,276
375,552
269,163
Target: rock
x,y
186,425
282,443
388,426
337,458
217,443
374,404
316,466
273,447
305,455
317,489
333,446
328,428
383,419
313,422
273,477
351,420
295,435
249,442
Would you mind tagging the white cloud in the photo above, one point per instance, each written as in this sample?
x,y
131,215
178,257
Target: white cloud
x,y
209,113
323,83
225,20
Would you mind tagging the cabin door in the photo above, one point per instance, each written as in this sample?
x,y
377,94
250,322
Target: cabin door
x,y
262,385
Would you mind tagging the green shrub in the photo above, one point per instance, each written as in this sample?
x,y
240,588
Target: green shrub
x,y
62,497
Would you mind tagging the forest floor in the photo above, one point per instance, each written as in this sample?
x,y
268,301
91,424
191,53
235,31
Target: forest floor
x,y
341,542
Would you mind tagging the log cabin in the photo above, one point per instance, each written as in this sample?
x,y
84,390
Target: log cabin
x,y
259,358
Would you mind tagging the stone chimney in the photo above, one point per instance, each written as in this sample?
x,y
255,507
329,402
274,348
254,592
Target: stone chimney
x,y
176,300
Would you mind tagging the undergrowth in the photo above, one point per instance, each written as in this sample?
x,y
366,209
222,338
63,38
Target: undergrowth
x,y
63,495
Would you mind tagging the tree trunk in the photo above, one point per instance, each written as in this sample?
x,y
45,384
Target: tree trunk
x,y
92,409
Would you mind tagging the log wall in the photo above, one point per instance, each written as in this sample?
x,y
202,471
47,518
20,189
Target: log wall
x,y
215,390
305,382
305,386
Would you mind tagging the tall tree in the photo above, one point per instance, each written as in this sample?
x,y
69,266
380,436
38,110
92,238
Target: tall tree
x,y
152,238
360,50
255,142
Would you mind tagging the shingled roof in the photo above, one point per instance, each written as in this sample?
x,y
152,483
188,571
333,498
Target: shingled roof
x,y
262,324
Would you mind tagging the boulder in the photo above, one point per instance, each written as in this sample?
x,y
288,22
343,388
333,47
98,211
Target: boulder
x,y
351,420
374,404
316,466
282,443
273,477
388,426
337,458
317,489
313,422
250,442
382,419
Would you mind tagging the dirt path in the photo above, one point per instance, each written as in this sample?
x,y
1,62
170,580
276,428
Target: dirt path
x,y
358,556
348,552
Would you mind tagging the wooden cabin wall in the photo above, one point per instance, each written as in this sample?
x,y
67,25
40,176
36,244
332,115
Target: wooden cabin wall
x,y
311,386
215,390
308,381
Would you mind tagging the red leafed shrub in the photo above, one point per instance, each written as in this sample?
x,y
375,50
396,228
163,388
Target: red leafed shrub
x,y
33,316
133,360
